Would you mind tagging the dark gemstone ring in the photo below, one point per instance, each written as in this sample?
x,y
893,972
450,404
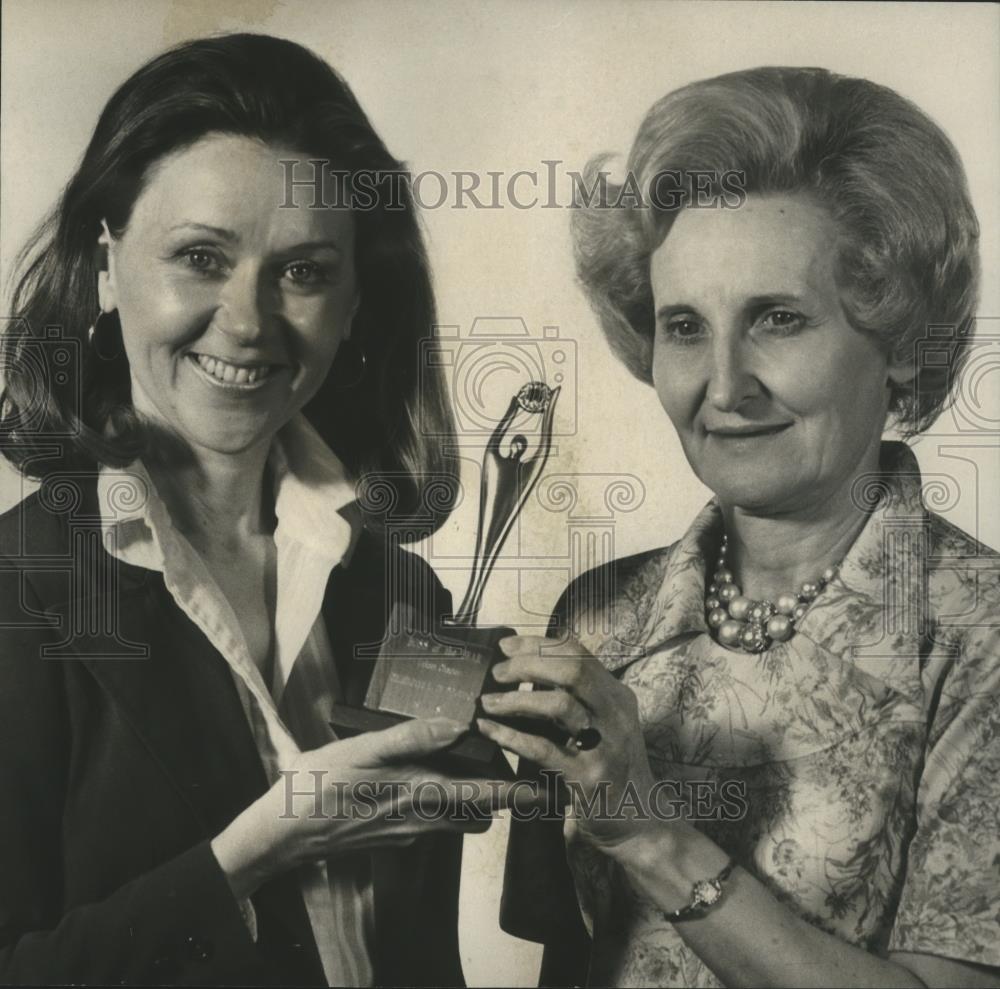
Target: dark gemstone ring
x,y
588,739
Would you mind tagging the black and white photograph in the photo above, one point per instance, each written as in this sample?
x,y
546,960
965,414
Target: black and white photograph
x,y
499,493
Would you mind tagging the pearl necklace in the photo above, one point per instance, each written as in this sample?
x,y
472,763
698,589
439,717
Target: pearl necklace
x,y
741,623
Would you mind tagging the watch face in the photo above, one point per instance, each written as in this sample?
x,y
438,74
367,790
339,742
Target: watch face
x,y
706,892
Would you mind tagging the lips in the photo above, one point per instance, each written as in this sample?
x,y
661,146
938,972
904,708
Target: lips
x,y
226,372
749,431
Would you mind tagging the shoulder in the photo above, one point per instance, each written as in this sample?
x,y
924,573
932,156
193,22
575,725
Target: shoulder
x,y
29,528
963,605
39,525
45,542
963,580
948,540
32,543
36,552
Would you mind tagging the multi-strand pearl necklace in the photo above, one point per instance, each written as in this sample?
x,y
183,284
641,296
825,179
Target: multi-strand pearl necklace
x,y
742,623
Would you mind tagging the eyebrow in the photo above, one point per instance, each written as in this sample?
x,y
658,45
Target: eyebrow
x,y
312,245
767,298
230,236
763,299
219,232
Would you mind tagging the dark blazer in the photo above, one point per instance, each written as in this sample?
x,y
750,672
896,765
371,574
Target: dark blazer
x,y
539,900
117,770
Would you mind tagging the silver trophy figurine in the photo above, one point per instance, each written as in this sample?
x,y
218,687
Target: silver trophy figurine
x,y
438,668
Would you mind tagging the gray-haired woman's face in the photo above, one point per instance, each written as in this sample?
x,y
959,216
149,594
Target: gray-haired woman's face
x,y
778,402
232,308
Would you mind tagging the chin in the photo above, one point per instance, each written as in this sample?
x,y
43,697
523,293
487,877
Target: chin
x,y
231,444
232,434
226,441
749,492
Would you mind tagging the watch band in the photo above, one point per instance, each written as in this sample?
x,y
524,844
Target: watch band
x,y
705,893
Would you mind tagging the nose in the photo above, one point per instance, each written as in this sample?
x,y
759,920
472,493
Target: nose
x,y
242,310
731,379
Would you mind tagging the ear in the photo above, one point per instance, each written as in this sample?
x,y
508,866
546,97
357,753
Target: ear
x,y
107,283
350,320
903,372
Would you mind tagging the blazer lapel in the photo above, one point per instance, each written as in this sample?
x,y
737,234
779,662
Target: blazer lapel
x,y
180,700
355,613
170,685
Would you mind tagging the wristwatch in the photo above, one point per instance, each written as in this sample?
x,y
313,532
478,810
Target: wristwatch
x,y
705,893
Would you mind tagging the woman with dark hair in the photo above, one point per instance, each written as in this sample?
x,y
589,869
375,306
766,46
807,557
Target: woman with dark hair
x,y
787,722
202,365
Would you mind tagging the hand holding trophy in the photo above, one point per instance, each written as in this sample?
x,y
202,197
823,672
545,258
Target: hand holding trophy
x,y
438,666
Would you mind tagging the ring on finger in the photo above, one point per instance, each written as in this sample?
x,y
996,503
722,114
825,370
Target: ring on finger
x,y
585,740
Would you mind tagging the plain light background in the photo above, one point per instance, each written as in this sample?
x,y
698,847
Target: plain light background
x,y
503,86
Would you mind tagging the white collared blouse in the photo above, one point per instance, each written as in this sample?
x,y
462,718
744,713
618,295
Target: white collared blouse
x,y
290,714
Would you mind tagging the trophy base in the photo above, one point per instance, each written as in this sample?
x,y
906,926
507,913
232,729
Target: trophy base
x,y
421,674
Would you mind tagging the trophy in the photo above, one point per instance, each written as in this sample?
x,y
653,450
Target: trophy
x,y
437,667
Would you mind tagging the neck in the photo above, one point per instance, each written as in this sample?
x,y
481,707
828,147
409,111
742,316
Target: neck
x,y
216,499
772,554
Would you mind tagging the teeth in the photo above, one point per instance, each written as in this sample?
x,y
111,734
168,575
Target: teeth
x,y
230,373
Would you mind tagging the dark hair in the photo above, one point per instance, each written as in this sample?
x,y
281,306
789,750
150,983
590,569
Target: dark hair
x,y
397,422
885,171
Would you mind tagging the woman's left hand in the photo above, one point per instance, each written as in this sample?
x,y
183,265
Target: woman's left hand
x,y
610,783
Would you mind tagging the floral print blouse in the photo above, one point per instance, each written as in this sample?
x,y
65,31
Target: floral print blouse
x,y
868,744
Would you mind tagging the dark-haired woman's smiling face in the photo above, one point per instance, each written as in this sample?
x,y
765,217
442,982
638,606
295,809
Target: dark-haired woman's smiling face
x,y
778,401
232,308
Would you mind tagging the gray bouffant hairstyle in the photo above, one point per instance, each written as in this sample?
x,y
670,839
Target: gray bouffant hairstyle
x,y
893,182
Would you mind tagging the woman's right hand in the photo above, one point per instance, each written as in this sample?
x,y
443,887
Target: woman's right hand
x,y
354,795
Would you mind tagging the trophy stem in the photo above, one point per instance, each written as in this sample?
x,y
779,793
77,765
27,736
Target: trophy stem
x,y
507,480
468,611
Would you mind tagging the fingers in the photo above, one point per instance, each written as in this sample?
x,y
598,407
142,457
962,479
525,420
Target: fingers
x,y
405,835
390,836
436,803
555,705
430,795
459,800
574,669
408,741
470,824
430,822
539,750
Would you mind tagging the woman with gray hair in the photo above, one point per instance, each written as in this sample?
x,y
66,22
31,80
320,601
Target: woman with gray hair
x,y
787,738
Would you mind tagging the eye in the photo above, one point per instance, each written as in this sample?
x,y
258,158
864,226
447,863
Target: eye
x,y
683,330
305,273
783,322
201,260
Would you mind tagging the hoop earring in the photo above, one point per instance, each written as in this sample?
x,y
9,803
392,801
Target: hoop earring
x,y
104,340
349,371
